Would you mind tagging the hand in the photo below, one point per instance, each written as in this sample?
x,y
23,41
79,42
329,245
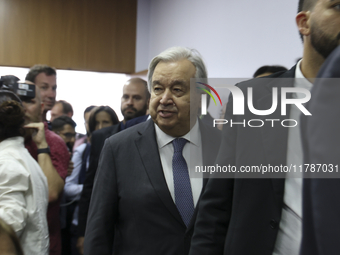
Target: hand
x,y
70,167
80,245
38,134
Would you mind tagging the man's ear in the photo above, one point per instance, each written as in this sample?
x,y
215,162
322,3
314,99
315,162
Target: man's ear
x,y
302,20
69,114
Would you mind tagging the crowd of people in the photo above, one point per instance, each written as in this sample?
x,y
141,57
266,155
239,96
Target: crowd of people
x,y
125,187
44,163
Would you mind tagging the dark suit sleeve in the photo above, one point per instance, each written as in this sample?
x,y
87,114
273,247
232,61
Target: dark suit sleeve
x,y
320,133
213,218
102,216
214,210
84,202
308,230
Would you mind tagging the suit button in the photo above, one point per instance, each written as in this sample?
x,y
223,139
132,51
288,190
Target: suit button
x,y
273,224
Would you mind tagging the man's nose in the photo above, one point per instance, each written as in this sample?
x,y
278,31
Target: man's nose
x,y
167,98
51,93
130,101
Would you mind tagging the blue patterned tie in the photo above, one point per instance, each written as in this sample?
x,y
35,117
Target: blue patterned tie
x,y
183,193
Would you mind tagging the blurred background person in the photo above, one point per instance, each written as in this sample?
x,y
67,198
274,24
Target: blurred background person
x,y
268,70
44,77
83,139
64,126
101,117
61,108
23,185
81,155
51,153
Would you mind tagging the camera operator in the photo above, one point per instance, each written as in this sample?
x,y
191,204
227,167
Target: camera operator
x,y
49,150
23,185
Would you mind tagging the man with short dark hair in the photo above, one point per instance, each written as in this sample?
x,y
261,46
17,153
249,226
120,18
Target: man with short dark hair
x,y
268,70
45,78
133,103
61,108
64,126
84,138
144,200
264,216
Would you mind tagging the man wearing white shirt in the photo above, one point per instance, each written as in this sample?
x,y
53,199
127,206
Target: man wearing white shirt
x,y
23,185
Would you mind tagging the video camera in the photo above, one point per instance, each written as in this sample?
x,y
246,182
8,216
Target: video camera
x,y
23,90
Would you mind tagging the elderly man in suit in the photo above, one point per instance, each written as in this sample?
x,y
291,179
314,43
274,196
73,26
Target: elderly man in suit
x,y
144,200
264,216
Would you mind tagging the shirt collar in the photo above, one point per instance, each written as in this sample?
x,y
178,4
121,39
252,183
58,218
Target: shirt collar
x,y
300,79
13,141
193,136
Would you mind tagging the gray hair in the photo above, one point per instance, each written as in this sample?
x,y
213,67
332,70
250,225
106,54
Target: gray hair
x,y
175,54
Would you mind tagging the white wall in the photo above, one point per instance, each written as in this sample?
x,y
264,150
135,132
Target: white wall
x,y
143,35
234,37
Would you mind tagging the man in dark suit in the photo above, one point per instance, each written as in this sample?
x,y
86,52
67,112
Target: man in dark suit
x,y
144,198
134,105
263,216
321,210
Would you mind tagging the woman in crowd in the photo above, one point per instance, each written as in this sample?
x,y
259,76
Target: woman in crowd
x,y
100,117
23,185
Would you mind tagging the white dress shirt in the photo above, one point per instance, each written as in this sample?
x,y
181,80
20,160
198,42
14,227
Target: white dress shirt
x,y
73,189
290,231
24,196
192,152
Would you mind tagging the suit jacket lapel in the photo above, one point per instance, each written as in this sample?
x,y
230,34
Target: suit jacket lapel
x,y
275,138
210,145
115,129
148,150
